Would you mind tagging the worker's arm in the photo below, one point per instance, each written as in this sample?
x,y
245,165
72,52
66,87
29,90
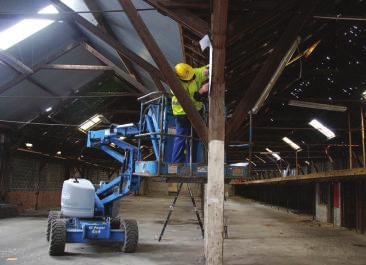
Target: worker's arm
x,y
201,93
202,76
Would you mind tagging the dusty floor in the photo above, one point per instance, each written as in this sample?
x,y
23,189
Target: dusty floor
x,y
257,235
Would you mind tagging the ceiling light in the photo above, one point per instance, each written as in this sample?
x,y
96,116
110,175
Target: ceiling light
x,y
312,105
48,109
291,143
364,94
29,145
307,162
58,153
92,122
240,164
275,76
275,155
321,128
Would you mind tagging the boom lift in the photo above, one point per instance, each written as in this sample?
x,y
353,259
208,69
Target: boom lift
x,y
87,214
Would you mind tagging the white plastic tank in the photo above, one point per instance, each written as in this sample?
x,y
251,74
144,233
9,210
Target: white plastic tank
x,y
77,198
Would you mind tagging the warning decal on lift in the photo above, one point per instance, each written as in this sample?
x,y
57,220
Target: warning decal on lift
x,y
202,169
172,169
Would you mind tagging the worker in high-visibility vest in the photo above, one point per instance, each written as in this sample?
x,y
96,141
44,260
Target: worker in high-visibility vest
x,y
194,82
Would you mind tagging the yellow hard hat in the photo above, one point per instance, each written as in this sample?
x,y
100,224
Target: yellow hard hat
x,y
184,71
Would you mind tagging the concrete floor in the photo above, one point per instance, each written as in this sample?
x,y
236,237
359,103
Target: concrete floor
x,y
258,234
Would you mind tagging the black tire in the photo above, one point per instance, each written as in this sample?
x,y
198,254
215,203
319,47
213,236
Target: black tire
x,y
51,215
131,236
57,237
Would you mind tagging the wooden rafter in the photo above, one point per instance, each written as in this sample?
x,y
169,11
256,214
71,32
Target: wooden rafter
x,y
165,68
119,47
260,21
104,25
130,79
37,67
269,67
183,17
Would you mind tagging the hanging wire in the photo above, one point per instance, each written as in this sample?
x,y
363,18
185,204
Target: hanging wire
x,y
87,96
41,123
74,12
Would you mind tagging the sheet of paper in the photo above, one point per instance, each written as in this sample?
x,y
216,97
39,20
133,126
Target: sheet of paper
x,y
205,43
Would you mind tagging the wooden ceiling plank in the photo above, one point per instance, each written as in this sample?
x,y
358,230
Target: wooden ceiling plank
x,y
270,66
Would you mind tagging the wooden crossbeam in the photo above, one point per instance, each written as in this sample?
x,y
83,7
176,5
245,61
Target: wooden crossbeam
x,y
183,17
93,5
165,68
270,66
14,63
37,67
334,174
21,68
119,47
127,77
193,4
77,67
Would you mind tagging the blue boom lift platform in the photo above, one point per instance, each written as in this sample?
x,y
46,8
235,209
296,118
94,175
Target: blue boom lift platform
x,y
156,124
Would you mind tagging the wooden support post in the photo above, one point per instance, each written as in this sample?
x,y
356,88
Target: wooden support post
x,y
363,138
349,141
214,218
165,68
297,168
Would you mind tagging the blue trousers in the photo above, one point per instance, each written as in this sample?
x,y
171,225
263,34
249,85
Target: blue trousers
x,y
181,146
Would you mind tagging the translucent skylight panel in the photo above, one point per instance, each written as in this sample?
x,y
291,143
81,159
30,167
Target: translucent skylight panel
x,y
25,28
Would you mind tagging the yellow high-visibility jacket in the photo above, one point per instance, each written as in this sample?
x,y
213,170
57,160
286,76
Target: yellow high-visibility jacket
x,y
191,87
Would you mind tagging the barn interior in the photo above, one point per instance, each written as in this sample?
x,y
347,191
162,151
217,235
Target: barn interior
x,y
286,106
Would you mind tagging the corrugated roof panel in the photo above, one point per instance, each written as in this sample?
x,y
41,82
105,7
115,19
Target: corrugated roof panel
x,y
62,82
104,49
146,79
140,4
44,43
6,74
164,30
17,6
25,107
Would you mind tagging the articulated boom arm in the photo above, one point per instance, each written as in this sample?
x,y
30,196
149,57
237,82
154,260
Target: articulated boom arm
x,y
106,140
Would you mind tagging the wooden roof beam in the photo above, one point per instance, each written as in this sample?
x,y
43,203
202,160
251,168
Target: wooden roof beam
x,y
36,68
165,68
131,80
103,24
270,66
183,17
119,47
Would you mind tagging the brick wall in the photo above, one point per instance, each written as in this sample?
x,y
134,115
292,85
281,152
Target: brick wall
x,y
37,183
